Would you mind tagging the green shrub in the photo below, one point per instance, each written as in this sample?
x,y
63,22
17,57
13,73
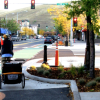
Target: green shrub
x,y
81,70
46,73
91,83
49,70
40,70
61,75
81,81
60,68
73,70
97,79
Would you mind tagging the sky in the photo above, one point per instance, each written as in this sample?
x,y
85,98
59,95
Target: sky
x,y
16,4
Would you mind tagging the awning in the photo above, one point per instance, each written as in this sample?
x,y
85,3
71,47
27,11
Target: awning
x,y
4,31
84,30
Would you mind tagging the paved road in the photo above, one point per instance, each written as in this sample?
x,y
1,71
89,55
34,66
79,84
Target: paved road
x,y
39,94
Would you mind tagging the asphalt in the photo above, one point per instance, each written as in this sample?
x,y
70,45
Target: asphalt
x,y
45,89
38,94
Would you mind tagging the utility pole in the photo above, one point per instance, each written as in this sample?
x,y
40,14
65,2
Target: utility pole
x,y
71,34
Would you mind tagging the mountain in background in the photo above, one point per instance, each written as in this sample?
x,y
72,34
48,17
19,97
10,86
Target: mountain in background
x,y
36,16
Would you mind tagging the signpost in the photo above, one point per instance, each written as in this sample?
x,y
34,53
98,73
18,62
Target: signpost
x,y
62,3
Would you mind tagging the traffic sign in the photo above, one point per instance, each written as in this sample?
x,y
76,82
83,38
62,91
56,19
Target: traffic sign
x,y
62,3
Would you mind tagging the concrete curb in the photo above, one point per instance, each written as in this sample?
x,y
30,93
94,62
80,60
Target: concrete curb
x,y
73,86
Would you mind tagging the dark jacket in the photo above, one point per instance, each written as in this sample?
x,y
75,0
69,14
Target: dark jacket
x,y
7,47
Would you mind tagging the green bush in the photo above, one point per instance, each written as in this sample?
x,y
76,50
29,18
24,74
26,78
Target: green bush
x,y
60,68
81,81
97,79
49,70
73,70
91,83
61,75
46,73
40,70
81,70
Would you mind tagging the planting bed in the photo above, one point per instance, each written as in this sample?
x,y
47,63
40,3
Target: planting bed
x,y
73,75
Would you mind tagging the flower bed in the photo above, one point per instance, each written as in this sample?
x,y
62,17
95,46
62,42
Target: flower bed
x,y
84,82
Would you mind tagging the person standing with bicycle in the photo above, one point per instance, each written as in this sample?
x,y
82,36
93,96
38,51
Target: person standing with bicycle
x,y
6,49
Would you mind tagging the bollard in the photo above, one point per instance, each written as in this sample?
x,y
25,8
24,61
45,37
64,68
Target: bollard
x,y
45,54
57,55
74,40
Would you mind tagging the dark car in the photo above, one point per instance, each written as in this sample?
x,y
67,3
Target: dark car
x,y
53,37
48,40
37,37
23,37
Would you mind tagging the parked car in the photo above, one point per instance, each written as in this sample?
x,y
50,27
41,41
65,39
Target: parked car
x,y
36,37
15,38
48,40
23,37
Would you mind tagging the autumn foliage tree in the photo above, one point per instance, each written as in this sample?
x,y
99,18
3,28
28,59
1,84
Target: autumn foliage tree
x,y
41,32
62,23
27,31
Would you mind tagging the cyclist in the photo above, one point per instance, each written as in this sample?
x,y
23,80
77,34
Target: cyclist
x,y
6,49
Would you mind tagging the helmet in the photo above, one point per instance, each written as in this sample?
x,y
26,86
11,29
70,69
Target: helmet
x,y
5,36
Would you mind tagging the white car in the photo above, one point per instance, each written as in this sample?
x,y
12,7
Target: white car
x,y
15,38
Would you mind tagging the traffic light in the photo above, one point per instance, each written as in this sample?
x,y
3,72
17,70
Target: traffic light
x,y
32,4
5,4
75,22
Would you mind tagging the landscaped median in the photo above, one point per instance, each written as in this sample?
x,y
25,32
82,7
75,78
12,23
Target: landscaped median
x,y
75,77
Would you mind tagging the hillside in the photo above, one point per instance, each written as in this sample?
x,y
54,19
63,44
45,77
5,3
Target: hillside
x,y
36,16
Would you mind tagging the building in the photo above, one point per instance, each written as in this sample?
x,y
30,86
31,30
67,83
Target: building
x,y
35,28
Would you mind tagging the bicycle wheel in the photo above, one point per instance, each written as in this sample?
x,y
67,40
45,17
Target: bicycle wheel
x,y
0,82
23,81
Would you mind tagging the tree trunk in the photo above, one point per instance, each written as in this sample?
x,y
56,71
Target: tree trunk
x,y
87,51
92,54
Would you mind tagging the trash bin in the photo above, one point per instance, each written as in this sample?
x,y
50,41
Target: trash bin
x,y
66,43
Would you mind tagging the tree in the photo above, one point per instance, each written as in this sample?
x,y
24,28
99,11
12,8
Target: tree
x,y
88,8
12,25
3,23
41,32
25,30
61,23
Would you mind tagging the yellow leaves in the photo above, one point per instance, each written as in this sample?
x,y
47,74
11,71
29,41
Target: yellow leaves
x,y
98,22
61,19
32,67
26,30
41,32
45,66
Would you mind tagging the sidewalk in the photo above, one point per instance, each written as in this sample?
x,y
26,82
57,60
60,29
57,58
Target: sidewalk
x,y
67,61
